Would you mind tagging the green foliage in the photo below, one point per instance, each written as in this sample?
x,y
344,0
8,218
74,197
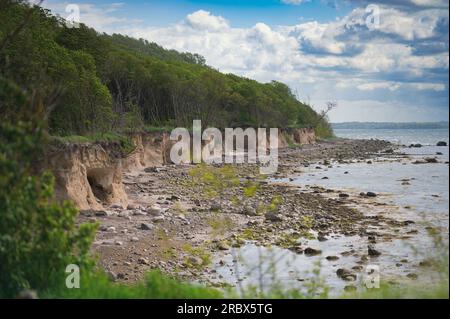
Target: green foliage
x,y
38,237
214,179
95,83
154,286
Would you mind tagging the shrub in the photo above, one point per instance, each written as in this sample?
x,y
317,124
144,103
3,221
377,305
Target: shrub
x,y
38,237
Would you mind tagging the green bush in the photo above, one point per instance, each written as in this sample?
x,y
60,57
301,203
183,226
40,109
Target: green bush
x,y
38,237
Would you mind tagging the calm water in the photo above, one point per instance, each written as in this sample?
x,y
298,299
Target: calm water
x,y
399,136
424,199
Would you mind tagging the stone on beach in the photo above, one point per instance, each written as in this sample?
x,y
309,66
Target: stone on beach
x,y
147,226
372,251
312,251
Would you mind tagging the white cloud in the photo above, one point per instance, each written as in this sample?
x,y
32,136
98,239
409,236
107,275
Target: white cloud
x,y
204,21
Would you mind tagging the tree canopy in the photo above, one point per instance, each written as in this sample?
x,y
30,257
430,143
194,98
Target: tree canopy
x,y
99,83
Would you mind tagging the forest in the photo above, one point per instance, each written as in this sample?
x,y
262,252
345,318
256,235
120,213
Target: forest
x,y
93,83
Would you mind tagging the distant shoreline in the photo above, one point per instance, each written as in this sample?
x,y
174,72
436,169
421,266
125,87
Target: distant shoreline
x,y
390,125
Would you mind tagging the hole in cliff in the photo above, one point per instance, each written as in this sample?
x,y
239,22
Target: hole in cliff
x,y
100,180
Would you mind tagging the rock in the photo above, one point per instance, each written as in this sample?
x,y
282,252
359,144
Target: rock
x,y
111,229
312,252
296,249
147,226
349,288
369,162
134,239
372,251
223,246
273,217
418,145
371,194
250,211
343,195
431,160
158,219
139,213
346,274
154,210
195,261
441,143
216,206
332,258
124,214
151,170
101,213
412,276
143,261
439,153
132,207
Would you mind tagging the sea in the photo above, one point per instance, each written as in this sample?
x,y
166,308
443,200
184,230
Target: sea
x,y
427,137
424,199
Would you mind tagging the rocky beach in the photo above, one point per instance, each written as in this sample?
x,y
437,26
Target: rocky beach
x,y
192,221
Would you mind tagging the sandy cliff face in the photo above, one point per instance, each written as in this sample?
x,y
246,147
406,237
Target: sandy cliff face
x,y
91,174
151,150
88,175
304,136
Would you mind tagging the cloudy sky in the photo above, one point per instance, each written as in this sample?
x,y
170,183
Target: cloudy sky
x,y
380,60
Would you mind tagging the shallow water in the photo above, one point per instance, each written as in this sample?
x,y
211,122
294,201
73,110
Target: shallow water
x,y
425,200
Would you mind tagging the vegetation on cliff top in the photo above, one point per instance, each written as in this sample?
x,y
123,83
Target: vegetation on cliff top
x,y
95,83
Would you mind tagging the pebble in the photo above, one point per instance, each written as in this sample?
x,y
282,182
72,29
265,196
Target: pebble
x,y
332,258
346,274
147,226
273,217
372,251
312,251
158,219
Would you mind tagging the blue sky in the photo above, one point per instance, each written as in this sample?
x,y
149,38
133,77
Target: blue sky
x,y
380,60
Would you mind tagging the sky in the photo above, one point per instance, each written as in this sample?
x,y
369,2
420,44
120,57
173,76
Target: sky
x,y
380,60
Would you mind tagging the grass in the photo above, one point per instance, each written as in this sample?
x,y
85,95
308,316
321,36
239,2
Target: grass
x,y
158,129
154,286
125,142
